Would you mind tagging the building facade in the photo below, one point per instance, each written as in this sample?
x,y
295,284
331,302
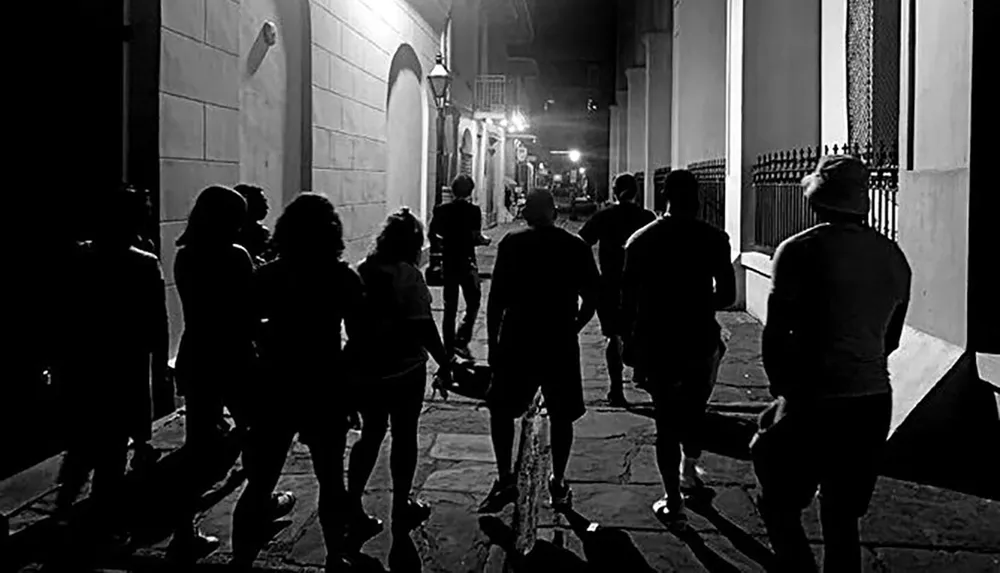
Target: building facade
x,y
328,96
761,89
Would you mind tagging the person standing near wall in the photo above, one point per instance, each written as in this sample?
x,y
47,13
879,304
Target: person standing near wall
x,y
458,225
610,228
534,319
216,354
670,331
839,295
113,328
255,237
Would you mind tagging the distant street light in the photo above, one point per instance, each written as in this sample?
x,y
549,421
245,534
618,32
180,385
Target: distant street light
x,y
583,170
574,155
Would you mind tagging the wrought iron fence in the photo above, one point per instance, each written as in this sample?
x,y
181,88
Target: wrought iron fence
x,y
711,175
659,185
781,207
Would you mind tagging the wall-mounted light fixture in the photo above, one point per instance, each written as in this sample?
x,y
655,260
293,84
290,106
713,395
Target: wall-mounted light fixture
x,y
270,33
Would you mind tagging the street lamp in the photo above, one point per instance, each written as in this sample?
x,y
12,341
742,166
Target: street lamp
x,y
583,170
440,80
574,155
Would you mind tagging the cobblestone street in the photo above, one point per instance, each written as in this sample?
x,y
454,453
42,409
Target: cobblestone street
x,y
613,474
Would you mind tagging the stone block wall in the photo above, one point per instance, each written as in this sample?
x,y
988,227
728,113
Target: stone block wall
x,y
199,116
353,43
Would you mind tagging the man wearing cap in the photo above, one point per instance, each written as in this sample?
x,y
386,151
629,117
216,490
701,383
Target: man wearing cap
x,y
610,228
670,331
459,226
533,320
839,295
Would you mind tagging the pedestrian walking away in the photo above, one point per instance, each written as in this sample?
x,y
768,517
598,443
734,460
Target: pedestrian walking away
x,y
255,237
458,225
670,331
305,367
609,229
114,321
839,295
534,317
399,336
216,355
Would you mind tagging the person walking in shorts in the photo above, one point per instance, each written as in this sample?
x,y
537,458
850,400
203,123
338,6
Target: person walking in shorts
x,y
533,321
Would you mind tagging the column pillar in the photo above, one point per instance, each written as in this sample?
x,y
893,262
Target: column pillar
x,y
622,99
613,110
636,148
659,107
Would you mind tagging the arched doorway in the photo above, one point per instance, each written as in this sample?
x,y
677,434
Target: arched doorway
x,y
465,154
405,127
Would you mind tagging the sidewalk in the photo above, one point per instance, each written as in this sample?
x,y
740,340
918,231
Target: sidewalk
x,y
910,527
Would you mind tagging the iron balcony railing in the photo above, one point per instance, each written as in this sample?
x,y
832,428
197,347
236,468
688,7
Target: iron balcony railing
x,y
781,208
495,94
711,176
659,188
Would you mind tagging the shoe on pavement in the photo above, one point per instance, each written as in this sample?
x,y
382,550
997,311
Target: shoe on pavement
x,y
670,510
616,398
560,495
498,498
284,502
192,547
410,514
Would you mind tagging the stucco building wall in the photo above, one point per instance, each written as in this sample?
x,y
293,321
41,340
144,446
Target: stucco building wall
x,y
700,95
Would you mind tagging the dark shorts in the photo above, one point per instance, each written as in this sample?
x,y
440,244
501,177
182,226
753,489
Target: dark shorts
x,y
517,380
681,392
833,445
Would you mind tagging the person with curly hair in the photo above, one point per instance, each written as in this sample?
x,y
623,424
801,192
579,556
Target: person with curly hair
x,y
216,355
304,297
402,333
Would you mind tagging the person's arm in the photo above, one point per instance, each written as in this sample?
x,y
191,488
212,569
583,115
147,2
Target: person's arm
x,y
630,288
781,310
894,332
417,308
162,385
434,229
354,316
590,231
589,287
496,304
725,276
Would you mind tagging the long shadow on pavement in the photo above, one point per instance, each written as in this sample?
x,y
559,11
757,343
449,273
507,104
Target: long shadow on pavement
x,y
605,549
151,500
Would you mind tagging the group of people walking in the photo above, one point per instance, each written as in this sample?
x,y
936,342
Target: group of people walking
x,y
839,298
265,318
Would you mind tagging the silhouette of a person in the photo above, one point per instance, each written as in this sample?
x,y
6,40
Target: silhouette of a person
x,y
115,316
534,318
255,237
839,295
670,331
459,226
302,358
609,229
213,276
400,336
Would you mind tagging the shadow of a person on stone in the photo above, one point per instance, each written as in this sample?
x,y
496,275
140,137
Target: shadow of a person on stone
x,y
726,434
741,540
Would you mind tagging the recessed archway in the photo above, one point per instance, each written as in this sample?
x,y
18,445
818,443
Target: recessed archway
x,y
405,127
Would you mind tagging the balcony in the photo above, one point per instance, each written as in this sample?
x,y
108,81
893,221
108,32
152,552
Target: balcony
x,y
496,96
